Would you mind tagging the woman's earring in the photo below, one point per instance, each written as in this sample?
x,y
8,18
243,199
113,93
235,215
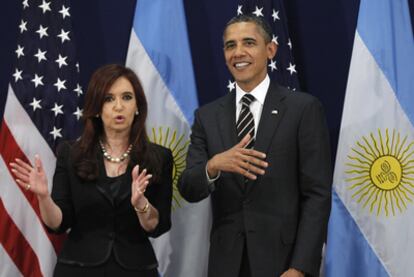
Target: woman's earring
x,y
97,115
136,112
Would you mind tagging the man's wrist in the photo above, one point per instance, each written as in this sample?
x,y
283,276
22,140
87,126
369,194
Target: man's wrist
x,y
212,173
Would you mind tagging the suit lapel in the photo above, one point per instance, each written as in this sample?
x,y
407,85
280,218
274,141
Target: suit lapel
x,y
226,118
272,114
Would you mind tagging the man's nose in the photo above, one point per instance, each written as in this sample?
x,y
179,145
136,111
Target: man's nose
x,y
239,51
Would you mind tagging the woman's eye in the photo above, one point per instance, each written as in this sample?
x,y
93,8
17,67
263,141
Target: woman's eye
x,y
108,98
127,97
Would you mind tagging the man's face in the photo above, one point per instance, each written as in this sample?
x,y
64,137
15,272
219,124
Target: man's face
x,y
246,54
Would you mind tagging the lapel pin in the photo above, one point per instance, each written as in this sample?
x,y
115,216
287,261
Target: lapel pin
x,y
275,112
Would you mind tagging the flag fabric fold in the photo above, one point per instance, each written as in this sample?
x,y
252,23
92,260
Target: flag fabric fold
x,y
373,209
42,108
159,53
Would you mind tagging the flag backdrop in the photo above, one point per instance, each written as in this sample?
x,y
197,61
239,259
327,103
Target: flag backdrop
x,y
282,68
372,218
159,52
41,109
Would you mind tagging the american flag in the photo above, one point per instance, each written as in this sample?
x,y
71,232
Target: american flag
x,y
42,108
282,68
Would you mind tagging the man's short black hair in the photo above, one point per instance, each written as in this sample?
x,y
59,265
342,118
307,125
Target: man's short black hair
x,y
262,25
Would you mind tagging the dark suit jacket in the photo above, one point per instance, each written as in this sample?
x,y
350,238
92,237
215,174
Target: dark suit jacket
x,y
99,223
282,215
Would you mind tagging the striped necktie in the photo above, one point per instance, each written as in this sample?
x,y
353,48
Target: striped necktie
x,y
245,122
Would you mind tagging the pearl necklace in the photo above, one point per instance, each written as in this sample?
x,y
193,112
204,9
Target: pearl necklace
x,y
112,159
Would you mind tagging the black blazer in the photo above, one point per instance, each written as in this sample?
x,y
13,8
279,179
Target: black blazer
x,y
283,215
100,224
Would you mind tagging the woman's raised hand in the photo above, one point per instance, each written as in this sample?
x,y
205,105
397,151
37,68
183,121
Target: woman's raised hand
x,y
139,184
31,178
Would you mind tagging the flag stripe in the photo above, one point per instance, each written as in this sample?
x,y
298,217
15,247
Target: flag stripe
x,y
27,222
349,250
391,43
14,242
7,265
168,51
9,151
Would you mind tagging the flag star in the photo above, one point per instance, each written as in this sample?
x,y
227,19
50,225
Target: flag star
x,y
64,35
289,44
17,75
35,104
40,55
56,132
37,80
61,60
275,15
258,12
23,26
60,84
78,113
274,39
57,109
77,67
78,89
45,6
25,4
231,85
42,31
19,51
64,11
239,9
291,68
272,65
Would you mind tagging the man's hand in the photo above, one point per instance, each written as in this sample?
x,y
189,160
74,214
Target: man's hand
x,y
247,162
291,272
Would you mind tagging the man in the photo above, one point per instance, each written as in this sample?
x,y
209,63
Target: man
x,y
271,202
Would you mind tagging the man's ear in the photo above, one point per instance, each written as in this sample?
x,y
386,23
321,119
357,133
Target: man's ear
x,y
271,50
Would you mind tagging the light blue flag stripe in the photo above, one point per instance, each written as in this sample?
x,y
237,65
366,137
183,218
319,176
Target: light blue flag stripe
x,y
349,252
161,27
385,27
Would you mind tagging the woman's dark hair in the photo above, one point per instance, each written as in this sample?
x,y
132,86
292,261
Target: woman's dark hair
x,y
85,149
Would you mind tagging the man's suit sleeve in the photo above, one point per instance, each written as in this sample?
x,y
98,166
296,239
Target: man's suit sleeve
x,y
315,180
193,184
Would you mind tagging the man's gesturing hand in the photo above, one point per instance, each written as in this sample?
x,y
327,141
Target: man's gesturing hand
x,y
247,162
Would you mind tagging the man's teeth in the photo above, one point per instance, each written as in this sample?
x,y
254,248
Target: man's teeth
x,y
238,65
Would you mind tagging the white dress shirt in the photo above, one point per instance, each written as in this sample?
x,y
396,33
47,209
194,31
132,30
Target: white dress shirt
x,y
256,106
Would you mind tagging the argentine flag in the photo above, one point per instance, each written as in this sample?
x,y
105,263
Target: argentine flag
x,y
372,220
159,53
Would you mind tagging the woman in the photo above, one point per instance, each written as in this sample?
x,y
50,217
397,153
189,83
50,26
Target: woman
x,y
112,188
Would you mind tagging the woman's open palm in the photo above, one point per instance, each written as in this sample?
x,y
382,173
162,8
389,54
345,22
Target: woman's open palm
x,y
31,178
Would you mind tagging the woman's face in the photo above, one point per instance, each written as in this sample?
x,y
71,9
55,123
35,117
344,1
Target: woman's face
x,y
120,105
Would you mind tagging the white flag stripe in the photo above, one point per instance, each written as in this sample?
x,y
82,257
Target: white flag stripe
x,y
359,119
27,135
8,268
28,222
155,89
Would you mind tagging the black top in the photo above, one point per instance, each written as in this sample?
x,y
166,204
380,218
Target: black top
x,y
100,223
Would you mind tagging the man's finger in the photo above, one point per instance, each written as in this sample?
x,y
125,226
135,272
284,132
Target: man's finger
x,y
255,161
254,153
252,168
244,141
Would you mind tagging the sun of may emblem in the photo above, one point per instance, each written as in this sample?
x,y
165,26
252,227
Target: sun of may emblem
x,y
381,173
179,146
